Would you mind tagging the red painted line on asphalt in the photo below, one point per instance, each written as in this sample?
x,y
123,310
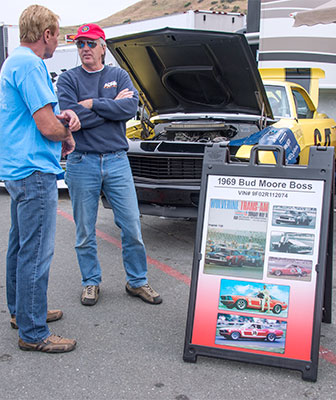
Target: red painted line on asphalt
x,y
326,354
155,263
169,270
65,215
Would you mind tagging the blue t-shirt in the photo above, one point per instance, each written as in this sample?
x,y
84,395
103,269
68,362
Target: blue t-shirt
x,y
25,87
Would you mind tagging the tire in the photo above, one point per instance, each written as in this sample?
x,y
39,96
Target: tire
x,y
241,304
277,309
235,335
271,337
304,273
277,273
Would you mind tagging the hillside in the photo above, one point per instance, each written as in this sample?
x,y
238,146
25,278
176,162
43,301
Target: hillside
x,y
146,9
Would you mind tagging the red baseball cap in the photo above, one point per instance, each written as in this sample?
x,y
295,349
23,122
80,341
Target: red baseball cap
x,y
90,31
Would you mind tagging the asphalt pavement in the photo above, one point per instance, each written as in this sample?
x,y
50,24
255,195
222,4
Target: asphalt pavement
x,y
128,349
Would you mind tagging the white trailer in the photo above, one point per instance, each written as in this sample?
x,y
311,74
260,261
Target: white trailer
x,y
66,56
9,39
285,42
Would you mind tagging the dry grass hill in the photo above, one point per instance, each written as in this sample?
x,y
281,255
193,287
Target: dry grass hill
x,y
146,9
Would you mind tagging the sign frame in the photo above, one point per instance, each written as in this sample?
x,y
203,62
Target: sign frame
x,y
320,169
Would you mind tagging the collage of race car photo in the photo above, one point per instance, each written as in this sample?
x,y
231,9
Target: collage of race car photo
x,y
258,263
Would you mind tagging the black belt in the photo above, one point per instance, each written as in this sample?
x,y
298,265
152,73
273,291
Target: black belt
x,y
97,153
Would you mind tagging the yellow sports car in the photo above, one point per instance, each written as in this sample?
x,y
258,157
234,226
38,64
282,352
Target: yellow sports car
x,y
295,110
199,87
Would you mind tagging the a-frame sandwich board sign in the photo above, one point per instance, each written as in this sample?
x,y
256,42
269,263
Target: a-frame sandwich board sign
x,y
262,256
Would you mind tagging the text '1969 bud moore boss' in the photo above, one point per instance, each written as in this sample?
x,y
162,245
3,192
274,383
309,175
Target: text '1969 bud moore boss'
x,y
201,87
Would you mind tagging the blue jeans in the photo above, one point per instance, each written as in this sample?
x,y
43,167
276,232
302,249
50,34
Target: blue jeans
x,y
30,251
87,174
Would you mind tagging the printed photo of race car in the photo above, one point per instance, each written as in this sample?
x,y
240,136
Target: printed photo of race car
x,y
252,331
289,242
234,252
289,268
294,217
255,333
298,216
254,297
253,302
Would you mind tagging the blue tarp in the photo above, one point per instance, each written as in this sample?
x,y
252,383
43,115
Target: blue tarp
x,y
273,136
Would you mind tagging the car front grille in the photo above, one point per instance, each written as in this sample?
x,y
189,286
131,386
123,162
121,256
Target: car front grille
x,y
158,167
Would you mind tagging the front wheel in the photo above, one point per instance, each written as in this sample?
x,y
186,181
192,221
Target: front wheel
x,y
235,335
241,304
271,337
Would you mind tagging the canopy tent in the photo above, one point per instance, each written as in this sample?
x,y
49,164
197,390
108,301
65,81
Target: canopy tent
x,y
323,14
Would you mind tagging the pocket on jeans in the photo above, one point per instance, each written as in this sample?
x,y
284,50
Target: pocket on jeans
x,y
75,158
120,154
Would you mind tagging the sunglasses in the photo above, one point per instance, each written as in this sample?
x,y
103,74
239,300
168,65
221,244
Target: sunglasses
x,y
81,44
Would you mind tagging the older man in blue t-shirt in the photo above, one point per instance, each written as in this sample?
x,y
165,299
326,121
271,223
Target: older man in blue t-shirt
x,y
31,134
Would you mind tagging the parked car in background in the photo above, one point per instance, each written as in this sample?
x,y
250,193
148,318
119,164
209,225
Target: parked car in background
x,y
201,87
251,331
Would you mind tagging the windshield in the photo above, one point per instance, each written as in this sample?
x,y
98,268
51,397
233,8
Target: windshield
x,y
278,100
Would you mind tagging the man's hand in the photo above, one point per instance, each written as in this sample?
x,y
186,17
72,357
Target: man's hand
x,y
124,94
86,103
70,118
68,146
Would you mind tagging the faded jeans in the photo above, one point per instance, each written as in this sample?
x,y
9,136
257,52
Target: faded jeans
x,y
87,174
30,251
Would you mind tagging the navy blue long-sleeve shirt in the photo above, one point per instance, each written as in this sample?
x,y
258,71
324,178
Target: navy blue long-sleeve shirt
x,y
104,126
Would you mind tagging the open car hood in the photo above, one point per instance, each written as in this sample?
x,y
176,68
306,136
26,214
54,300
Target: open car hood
x,y
192,71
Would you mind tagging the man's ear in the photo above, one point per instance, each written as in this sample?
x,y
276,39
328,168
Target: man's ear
x,y
46,35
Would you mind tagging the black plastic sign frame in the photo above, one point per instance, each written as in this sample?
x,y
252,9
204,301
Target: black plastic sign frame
x,y
262,267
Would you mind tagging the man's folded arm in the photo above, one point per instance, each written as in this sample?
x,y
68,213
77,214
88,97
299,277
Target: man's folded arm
x,y
68,100
115,110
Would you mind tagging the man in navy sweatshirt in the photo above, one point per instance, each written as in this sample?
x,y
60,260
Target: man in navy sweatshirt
x,y
104,99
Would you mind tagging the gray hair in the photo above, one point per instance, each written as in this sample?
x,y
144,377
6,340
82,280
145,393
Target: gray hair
x,y
103,43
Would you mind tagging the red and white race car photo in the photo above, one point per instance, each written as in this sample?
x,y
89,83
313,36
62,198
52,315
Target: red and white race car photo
x,y
253,301
251,331
290,270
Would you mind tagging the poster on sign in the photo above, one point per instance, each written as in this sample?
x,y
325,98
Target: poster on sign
x,y
256,280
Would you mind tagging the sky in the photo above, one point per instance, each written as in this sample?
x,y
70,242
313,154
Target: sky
x,y
71,12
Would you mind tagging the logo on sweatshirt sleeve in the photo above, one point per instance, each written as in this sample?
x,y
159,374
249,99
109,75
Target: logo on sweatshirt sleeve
x,y
111,84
